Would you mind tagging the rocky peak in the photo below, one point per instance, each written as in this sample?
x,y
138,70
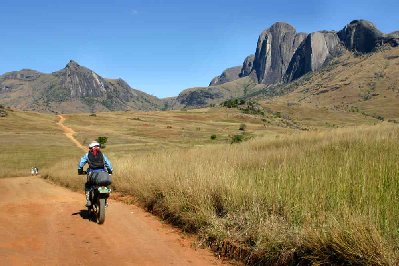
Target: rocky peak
x,y
360,36
73,65
81,81
228,75
247,65
274,50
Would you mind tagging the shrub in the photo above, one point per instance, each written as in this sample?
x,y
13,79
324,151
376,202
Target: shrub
x,y
233,103
213,137
236,138
243,127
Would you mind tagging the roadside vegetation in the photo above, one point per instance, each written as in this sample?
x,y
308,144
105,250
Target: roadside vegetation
x,y
324,197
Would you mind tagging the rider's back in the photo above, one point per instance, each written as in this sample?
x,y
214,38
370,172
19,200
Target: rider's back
x,y
96,161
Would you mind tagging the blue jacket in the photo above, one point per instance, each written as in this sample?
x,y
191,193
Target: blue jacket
x,y
84,160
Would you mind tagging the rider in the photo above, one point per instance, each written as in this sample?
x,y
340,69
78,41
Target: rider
x,y
97,162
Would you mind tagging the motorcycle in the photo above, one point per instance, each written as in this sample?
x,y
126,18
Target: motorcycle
x,y
98,195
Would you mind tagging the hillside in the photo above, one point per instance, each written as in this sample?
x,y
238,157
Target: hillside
x,y
204,96
351,88
72,89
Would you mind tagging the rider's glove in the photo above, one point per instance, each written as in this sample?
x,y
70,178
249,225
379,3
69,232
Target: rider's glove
x,y
109,171
80,171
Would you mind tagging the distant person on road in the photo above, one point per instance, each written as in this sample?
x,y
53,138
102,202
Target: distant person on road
x,y
98,162
34,170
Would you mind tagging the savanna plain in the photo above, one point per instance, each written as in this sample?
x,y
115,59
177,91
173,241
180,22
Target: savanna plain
x,y
278,193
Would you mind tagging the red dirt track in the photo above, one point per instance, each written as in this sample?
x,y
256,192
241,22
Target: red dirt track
x,y
43,224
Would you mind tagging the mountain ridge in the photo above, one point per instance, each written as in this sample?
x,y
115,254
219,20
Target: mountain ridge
x,y
282,56
74,88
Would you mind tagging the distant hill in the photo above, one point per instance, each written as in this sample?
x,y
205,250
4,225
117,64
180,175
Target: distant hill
x,y
72,89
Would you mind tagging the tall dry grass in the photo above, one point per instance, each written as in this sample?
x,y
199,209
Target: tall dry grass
x,y
327,197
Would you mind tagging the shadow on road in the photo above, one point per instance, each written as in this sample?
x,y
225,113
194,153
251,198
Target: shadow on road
x,y
85,214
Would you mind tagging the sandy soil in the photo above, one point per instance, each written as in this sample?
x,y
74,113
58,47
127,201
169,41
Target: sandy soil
x,y
43,224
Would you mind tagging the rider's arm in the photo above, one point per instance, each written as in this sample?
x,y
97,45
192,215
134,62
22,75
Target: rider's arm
x,y
108,164
83,161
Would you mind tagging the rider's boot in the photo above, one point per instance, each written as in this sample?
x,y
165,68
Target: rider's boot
x,y
88,202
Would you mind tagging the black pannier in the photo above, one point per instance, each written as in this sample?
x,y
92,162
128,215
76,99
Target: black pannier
x,y
100,179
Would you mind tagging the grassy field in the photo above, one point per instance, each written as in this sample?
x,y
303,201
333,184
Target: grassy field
x,y
284,196
31,139
320,197
156,131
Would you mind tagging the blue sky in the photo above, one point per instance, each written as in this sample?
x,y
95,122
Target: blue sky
x,y
160,46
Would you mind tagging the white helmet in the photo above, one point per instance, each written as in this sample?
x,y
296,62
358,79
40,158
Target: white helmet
x,y
93,144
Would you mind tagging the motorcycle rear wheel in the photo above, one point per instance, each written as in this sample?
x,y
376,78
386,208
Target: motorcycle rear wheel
x,y
100,211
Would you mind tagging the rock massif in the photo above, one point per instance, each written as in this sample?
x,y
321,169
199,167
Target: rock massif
x,y
228,75
72,89
360,36
283,55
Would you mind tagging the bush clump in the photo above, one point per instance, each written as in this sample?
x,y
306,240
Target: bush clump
x,y
237,138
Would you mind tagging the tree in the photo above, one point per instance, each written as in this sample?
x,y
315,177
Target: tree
x,y
102,141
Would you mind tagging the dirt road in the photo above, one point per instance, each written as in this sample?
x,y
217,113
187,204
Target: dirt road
x,y
42,224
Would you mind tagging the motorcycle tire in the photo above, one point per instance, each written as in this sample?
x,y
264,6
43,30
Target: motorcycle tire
x,y
101,211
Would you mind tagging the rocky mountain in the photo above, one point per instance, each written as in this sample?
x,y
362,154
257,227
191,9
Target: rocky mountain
x,y
361,36
283,55
228,74
72,89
